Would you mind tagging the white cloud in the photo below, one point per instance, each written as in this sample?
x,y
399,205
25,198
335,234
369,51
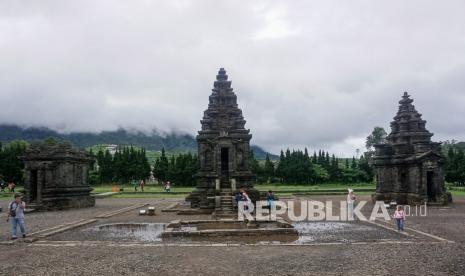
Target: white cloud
x,y
307,73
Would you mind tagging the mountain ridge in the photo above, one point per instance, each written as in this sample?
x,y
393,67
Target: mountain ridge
x,y
178,142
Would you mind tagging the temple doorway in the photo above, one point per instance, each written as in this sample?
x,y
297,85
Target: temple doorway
x,y
430,185
225,161
33,188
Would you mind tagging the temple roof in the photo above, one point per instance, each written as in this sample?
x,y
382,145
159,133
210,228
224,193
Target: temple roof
x,y
408,126
223,113
51,150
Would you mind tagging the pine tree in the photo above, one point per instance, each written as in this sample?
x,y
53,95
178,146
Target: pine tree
x,y
353,166
161,167
269,171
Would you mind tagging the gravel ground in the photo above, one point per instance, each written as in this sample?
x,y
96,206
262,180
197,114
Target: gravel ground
x,y
381,259
419,255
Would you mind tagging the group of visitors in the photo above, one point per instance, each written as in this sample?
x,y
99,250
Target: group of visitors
x,y
139,184
242,195
11,186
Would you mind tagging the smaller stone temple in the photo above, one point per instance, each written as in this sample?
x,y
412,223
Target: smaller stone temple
x,y
56,176
409,166
223,150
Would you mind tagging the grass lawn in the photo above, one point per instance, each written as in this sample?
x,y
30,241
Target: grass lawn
x,y
6,195
279,188
130,189
459,193
147,195
181,192
329,186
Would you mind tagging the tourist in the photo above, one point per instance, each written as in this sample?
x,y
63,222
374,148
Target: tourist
x,y
246,198
142,184
11,187
270,198
350,204
2,185
237,198
399,216
16,213
168,187
134,183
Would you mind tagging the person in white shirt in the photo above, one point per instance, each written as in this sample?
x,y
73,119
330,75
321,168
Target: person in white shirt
x,y
350,204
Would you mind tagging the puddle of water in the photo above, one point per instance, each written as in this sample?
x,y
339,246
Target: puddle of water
x,y
149,232
326,231
188,228
219,226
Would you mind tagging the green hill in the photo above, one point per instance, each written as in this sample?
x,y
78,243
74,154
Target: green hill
x,y
173,143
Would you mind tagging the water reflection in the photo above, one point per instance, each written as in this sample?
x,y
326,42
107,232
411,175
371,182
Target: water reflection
x,y
147,232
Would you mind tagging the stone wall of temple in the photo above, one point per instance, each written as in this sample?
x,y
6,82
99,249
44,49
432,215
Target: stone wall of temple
x,y
56,177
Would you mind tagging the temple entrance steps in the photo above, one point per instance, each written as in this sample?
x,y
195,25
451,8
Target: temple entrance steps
x,y
226,207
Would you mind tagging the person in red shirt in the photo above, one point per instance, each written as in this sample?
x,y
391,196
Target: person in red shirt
x,y
142,184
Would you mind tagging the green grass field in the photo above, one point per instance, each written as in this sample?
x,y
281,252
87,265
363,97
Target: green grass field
x,y
156,191
260,187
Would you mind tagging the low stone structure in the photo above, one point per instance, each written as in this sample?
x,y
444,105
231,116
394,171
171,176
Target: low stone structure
x,y
409,166
223,150
56,176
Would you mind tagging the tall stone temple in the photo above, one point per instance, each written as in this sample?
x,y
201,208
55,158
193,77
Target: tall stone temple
x,y
409,166
56,176
223,150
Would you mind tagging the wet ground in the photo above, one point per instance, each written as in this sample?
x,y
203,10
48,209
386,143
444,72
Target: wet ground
x,y
308,233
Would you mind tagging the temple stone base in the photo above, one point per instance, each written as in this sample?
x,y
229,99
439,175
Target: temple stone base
x,y
67,203
410,198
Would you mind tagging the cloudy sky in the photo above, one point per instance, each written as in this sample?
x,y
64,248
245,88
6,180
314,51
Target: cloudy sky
x,y
319,74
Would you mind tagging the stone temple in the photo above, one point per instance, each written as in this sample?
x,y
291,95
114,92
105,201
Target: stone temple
x,y
223,150
56,177
409,166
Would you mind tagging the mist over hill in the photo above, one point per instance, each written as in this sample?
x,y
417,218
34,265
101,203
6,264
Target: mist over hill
x,y
174,142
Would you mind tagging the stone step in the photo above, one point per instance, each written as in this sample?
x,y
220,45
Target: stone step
x,y
225,213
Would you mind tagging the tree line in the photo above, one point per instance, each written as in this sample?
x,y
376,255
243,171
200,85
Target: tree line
x,y
299,167
179,169
455,166
296,166
11,168
125,165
